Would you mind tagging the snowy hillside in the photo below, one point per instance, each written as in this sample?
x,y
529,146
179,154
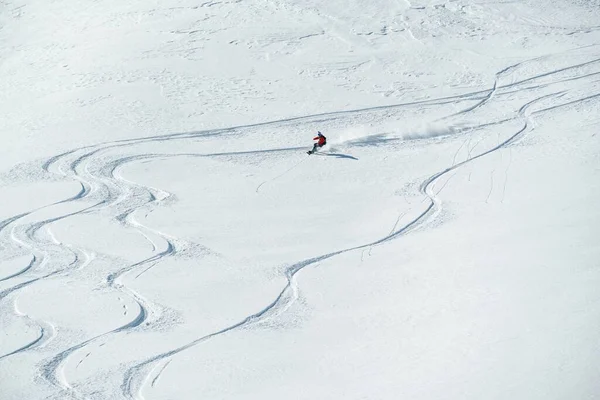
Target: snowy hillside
x,y
164,235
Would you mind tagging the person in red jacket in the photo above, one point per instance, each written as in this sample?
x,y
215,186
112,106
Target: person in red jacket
x,y
321,141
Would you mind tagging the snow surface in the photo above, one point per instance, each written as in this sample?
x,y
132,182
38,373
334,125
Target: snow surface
x,y
164,235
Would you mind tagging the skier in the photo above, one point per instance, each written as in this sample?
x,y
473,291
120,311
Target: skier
x,y
321,141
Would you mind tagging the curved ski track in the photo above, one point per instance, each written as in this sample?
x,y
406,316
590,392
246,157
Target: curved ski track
x,y
101,184
138,375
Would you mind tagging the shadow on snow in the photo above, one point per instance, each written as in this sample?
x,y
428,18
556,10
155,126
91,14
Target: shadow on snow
x,y
337,155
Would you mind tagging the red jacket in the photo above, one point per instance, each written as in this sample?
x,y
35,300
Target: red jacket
x,y
321,140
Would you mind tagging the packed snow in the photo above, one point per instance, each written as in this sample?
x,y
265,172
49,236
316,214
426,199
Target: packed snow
x,y
165,235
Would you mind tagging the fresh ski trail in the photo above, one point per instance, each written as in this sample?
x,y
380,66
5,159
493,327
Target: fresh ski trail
x,y
101,183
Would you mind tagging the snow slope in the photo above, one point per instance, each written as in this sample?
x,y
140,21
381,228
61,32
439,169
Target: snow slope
x,y
164,235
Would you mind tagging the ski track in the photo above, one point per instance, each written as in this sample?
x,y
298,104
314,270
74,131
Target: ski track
x,y
102,183
137,376
106,183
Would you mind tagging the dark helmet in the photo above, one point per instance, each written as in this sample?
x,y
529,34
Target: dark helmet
x,y
319,133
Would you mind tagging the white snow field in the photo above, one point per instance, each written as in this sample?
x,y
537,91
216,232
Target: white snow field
x,y
164,235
